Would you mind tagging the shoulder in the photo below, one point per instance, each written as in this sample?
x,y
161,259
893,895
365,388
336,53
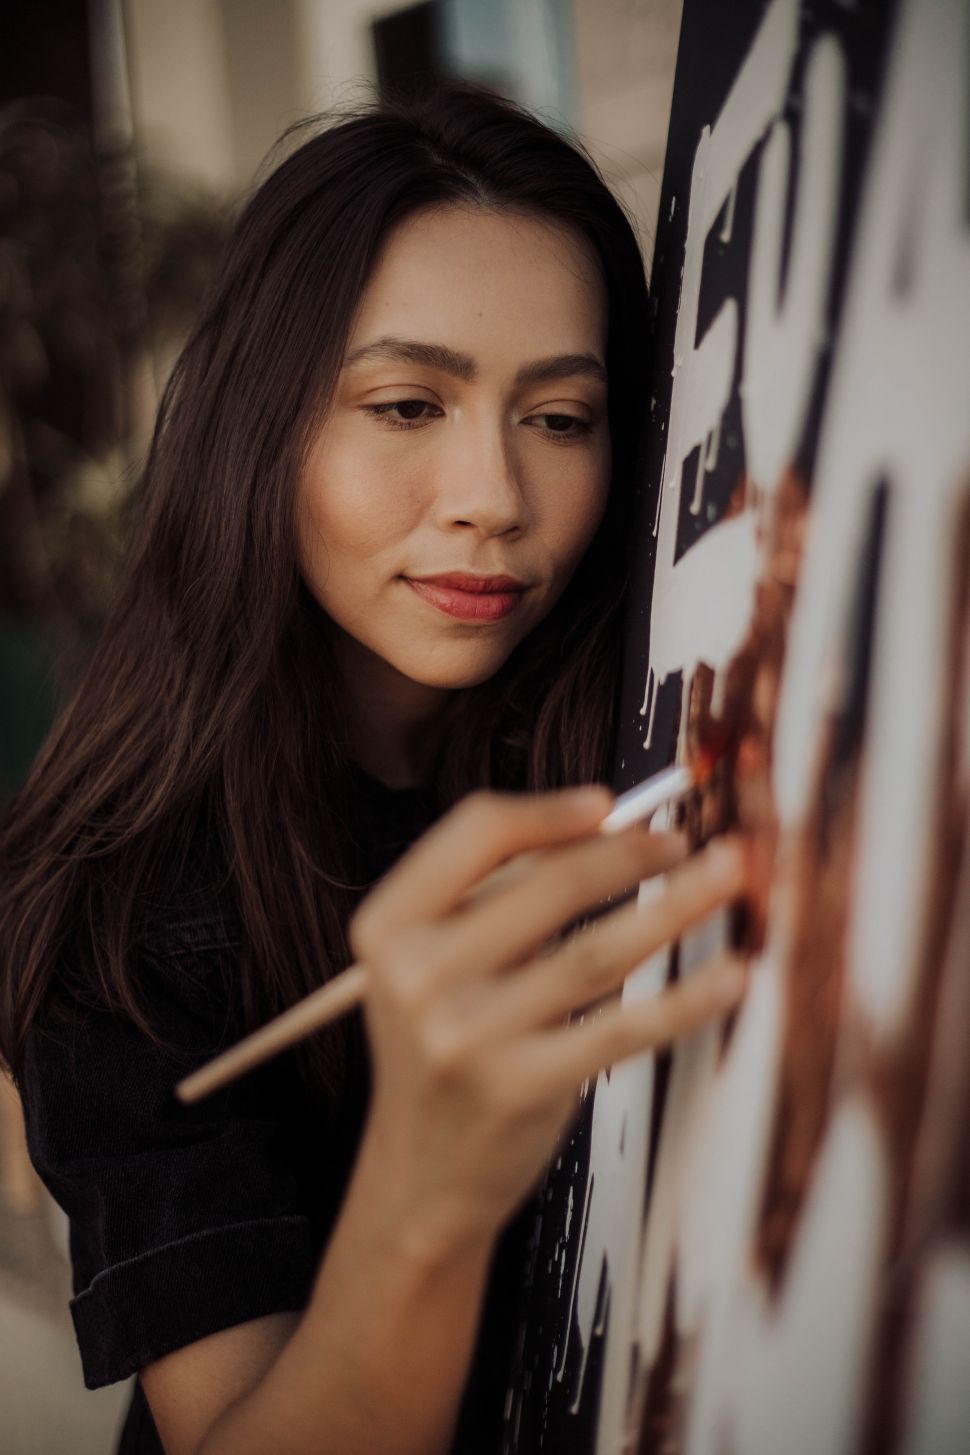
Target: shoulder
x,y
167,963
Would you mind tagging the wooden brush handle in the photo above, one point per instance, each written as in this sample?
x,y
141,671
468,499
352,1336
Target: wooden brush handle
x,y
311,1014
347,989
317,1010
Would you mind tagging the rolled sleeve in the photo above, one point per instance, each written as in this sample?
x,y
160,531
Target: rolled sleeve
x,y
211,1280
184,1220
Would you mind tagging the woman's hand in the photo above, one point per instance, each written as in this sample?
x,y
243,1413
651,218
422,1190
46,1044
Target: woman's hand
x,y
476,1074
475,1077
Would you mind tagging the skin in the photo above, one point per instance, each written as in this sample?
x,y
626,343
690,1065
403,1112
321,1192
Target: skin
x,y
475,472
470,981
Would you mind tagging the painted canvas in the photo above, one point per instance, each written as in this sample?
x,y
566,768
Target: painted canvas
x,y
762,1242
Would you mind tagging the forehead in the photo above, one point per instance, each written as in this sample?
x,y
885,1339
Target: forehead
x,y
489,280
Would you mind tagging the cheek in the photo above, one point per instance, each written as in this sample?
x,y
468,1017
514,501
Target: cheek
x,y
348,509
580,509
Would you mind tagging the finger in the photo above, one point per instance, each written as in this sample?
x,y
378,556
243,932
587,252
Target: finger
x,y
560,1059
668,849
483,831
592,964
514,922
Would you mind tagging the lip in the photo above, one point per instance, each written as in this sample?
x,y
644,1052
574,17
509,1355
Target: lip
x,y
469,598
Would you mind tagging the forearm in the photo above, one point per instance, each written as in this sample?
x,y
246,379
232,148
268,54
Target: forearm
x,y
379,1360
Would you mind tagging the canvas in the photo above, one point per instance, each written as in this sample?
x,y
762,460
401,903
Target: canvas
x,y
762,1242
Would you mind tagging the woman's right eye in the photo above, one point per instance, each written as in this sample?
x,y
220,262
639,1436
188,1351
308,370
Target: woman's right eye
x,y
409,412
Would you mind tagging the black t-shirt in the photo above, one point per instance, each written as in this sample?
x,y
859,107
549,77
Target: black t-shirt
x,y
188,1220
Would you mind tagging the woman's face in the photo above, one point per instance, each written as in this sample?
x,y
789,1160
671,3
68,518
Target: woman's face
x,y
467,442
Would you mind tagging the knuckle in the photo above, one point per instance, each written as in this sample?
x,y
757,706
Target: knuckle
x,y
591,968
406,989
364,933
400,970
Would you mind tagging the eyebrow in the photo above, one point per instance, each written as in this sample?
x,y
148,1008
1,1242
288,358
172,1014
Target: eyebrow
x,y
462,366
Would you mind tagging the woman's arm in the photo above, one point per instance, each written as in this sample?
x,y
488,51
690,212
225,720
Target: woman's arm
x,y
376,1363
475,1077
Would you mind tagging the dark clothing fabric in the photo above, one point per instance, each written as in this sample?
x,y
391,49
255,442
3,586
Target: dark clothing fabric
x,y
188,1220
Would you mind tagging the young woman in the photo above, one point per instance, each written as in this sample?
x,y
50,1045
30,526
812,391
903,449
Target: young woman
x,y
380,554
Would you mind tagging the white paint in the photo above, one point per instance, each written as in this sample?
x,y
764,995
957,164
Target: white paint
x,y
636,1088
727,226
724,1171
909,422
598,1235
612,1200
784,332
702,606
612,1208
693,1066
712,1150
797,1367
800,1365
939,1422
801,1368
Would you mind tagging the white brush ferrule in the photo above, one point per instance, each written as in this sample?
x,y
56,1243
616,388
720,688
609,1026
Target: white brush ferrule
x,y
640,802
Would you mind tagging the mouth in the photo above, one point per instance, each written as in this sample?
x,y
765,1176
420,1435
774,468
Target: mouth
x,y
470,598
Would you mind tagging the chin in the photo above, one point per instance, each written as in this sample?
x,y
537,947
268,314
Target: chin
x,y
455,675
455,681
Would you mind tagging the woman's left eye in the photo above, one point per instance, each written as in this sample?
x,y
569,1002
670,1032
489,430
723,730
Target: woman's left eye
x,y
409,412
563,426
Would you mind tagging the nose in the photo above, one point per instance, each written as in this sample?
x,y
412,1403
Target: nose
x,y
477,485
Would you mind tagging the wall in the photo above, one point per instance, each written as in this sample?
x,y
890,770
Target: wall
x,y
625,56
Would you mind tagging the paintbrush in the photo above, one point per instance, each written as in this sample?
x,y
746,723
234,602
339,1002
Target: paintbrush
x,y
348,989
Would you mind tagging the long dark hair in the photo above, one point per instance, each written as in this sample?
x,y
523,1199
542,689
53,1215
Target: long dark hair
x,y
211,695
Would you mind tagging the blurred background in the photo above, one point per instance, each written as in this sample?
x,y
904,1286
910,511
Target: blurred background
x,y
130,130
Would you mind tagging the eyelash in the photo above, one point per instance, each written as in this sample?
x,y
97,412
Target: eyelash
x,y
580,428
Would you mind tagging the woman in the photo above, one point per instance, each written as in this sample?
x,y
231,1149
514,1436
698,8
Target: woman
x,y
379,562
